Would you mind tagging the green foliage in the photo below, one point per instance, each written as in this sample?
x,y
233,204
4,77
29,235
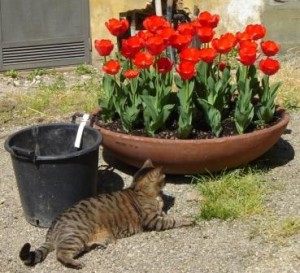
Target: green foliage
x,y
11,73
84,69
231,195
37,72
244,109
266,108
214,92
157,106
185,97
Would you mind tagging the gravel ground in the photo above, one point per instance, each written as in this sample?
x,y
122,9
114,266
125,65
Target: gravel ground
x,y
211,246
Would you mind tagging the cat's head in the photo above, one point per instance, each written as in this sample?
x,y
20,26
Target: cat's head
x,y
148,179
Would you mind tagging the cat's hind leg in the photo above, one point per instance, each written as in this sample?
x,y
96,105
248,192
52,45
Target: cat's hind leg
x,y
100,240
67,250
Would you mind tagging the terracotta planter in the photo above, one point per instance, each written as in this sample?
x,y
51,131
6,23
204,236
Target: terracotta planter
x,y
193,156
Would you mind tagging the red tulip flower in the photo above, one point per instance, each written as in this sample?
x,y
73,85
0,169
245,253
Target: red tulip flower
x,y
243,36
180,42
205,34
131,73
190,54
117,27
247,55
248,43
104,47
166,33
163,65
144,35
153,23
256,32
111,67
143,60
131,46
208,54
186,29
207,19
186,70
155,45
270,48
223,65
222,45
269,66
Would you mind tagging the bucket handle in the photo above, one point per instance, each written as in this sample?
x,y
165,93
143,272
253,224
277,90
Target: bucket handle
x,y
23,152
80,115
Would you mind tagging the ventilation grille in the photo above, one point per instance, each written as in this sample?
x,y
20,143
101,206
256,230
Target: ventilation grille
x,y
43,53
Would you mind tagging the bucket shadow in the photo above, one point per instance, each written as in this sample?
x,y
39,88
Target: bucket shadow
x,y
117,164
108,180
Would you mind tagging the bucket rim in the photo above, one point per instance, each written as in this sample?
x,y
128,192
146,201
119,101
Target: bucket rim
x,y
78,153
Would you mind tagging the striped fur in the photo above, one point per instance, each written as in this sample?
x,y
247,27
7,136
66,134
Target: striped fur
x,y
97,221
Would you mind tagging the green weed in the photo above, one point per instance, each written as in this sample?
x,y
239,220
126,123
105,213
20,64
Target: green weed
x,y
232,194
11,73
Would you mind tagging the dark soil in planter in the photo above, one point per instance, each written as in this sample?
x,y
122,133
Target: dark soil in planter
x,y
202,131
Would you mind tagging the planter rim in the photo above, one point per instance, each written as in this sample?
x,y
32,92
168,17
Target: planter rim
x,y
284,119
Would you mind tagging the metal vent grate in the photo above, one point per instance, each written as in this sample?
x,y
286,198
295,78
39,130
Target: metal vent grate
x,y
43,53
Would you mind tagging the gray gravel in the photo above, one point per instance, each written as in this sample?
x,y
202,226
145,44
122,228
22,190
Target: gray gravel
x,y
211,246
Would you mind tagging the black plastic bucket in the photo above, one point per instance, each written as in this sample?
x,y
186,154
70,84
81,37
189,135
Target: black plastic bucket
x,y
51,173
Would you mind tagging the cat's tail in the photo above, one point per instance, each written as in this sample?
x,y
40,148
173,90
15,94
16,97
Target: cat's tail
x,y
30,258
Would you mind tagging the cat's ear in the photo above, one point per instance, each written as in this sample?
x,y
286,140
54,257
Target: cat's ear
x,y
148,164
160,176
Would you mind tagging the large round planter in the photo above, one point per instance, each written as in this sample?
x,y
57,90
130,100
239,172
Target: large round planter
x,y
193,156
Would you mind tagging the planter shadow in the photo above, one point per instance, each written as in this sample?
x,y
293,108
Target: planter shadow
x,y
279,155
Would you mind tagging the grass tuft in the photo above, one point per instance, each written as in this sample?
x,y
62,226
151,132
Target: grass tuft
x,y
52,100
231,195
289,74
274,229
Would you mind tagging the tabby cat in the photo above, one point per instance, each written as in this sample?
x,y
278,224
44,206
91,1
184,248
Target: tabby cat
x,y
97,221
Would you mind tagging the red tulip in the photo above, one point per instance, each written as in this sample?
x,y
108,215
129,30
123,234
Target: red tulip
x,y
208,54
186,29
269,66
143,60
223,65
180,42
222,45
155,45
144,35
111,67
117,27
131,46
153,23
256,31
166,33
230,37
270,48
248,43
205,34
247,55
131,73
207,19
163,65
190,54
104,47
243,36
186,70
